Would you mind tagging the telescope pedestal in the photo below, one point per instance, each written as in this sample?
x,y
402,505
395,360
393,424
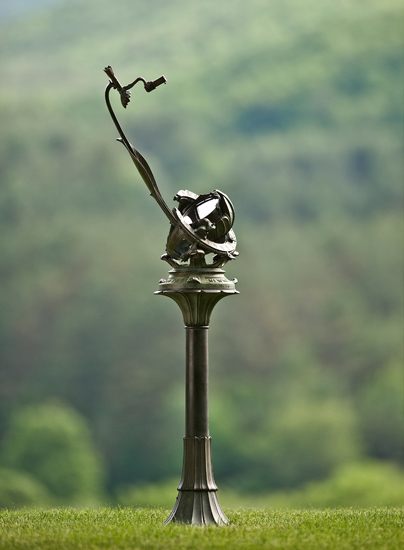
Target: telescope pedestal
x,y
197,291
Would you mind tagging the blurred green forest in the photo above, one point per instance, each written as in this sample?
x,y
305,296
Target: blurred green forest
x,y
294,108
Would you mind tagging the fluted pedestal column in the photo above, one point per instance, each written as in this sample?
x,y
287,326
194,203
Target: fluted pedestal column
x,y
197,291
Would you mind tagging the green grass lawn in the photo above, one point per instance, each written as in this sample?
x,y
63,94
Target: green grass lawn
x,y
127,528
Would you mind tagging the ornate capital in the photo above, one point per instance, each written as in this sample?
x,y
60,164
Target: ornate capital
x,y
197,291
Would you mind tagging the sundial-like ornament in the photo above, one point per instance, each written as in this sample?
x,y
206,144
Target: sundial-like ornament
x,y
200,224
200,242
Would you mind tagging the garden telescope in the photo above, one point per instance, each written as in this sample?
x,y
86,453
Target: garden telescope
x,y
199,243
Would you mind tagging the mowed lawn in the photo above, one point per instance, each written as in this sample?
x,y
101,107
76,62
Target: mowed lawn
x,y
126,528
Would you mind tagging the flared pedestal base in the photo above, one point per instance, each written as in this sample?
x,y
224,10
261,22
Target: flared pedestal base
x,y
197,502
197,508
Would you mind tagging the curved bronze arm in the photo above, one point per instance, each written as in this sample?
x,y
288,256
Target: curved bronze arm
x,y
138,159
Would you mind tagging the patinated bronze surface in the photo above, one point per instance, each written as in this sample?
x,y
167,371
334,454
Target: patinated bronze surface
x,y
200,242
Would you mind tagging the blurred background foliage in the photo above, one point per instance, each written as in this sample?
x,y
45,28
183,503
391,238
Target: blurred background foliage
x,y
294,108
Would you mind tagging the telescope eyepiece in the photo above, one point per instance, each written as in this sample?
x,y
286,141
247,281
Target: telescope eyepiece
x,y
153,84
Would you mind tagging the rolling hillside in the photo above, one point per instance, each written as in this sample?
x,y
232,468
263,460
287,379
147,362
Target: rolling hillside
x,y
292,108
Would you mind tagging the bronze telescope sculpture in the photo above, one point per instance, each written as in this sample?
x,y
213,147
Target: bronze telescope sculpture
x,y
200,242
